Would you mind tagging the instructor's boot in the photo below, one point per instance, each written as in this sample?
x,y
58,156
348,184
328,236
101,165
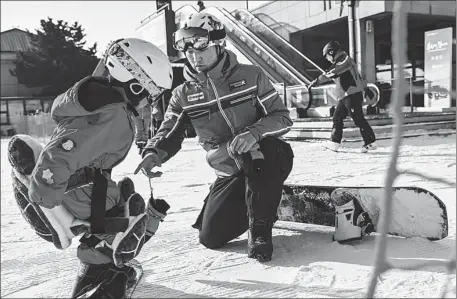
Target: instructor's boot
x,y
260,244
102,281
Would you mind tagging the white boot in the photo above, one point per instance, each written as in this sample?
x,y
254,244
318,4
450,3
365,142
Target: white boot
x,y
368,147
334,146
346,228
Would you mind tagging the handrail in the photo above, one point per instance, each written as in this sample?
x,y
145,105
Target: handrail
x,y
280,37
262,17
260,44
298,77
150,17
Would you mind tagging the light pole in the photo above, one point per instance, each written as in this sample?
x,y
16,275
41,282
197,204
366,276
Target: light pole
x,y
247,5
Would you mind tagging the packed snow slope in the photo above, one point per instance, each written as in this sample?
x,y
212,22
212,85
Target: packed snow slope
x,y
306,263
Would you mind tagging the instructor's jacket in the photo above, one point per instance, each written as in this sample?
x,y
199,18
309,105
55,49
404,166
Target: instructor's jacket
x,y
345,75
94,129
230,99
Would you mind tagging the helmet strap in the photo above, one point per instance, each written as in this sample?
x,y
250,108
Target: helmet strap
x,y
124,87
134,99
220,52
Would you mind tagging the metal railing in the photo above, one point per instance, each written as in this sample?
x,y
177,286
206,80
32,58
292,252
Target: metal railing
x,y
152,16
282,47
27,115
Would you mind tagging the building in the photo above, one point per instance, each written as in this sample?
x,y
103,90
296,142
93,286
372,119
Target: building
x,y
285,38
309,25
13,41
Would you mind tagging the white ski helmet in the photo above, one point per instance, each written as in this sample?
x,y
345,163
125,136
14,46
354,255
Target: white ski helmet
x,y
206,21
134,58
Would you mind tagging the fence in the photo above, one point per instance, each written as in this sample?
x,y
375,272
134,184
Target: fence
x,y
27,115
299,96
399,48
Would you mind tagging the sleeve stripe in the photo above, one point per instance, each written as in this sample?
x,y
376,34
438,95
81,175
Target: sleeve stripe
x,y
263,106
176,125
275,132
271,91
268,97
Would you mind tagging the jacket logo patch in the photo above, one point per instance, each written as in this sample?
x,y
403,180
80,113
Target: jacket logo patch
x,y
195,97
67,144
47,176
237,84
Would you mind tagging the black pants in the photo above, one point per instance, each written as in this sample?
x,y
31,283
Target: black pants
x,y
255,192
351,105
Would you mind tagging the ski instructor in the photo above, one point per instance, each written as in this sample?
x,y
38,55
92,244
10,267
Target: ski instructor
x,y
65,188
238,117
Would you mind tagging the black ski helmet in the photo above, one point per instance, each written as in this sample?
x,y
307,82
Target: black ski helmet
x,y
331,48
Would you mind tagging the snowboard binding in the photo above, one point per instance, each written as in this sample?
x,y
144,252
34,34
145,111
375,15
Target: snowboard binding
x,y
351,221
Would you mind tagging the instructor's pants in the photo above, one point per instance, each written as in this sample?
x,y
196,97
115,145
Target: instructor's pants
x,y
255,192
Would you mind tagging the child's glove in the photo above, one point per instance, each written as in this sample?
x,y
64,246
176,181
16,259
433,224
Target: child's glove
x,y
156,211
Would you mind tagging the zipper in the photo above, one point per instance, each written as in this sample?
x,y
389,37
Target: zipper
x,y
254,100
220,106
226,120
240,99
233,157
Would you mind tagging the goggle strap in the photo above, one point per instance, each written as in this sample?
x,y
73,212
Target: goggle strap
x,y
217,34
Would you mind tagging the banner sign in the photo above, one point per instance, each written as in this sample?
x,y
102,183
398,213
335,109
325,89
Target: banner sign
x,y
438,68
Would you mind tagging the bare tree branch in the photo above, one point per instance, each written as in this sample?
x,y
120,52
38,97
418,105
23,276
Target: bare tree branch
x,y
399,56
399,39
427,177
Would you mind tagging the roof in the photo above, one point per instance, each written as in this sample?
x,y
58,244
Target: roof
x,y
15,40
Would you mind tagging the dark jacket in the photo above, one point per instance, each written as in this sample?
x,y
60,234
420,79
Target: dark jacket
x,y
230,99
94,128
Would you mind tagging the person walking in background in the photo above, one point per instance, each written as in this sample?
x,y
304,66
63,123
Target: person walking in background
x,y
349,92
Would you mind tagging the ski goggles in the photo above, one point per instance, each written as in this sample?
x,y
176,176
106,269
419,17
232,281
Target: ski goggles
x,y
143,81
195,37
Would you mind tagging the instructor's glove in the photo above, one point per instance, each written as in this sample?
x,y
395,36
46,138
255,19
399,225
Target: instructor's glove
x,y
146,165
242,143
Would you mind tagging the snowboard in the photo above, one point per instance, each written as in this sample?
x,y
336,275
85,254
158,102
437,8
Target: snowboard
x,y
131,283
416,212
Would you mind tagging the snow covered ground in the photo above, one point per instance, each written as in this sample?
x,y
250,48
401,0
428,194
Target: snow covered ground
x,y
306,263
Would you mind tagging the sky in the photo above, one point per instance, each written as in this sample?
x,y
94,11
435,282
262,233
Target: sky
x,y
103,21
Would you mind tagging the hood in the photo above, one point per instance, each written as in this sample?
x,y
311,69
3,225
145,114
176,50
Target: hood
x,y
68,104
222,69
